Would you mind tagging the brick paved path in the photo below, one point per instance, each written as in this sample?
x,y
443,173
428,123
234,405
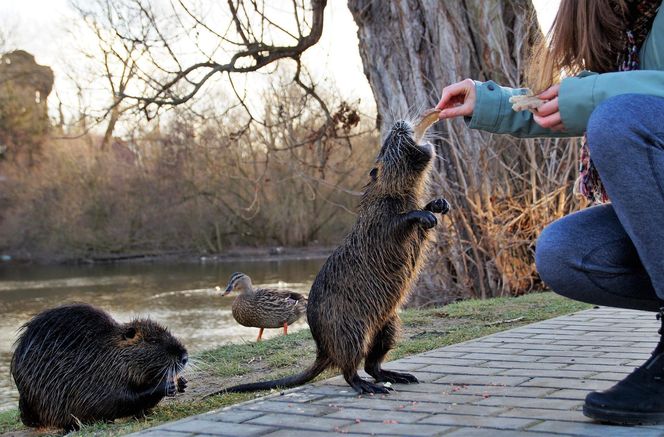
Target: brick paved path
x,y
525,381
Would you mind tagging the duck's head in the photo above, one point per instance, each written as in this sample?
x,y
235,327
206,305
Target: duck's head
x,y
238,282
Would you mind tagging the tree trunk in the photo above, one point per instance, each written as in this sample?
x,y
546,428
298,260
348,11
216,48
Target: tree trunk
x,y
411,49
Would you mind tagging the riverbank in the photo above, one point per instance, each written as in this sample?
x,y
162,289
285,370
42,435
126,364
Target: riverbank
x,y
228,365
248,254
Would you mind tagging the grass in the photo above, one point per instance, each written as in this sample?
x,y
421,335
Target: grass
x,y
423,330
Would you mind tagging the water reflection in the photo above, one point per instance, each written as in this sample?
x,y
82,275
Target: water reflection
x,y
180,296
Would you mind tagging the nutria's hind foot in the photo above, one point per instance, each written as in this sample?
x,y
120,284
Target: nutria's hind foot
x,y
395,377
365,387
438,206
361,386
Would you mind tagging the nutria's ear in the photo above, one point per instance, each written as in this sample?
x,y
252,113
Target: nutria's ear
x,y
129,333
373,173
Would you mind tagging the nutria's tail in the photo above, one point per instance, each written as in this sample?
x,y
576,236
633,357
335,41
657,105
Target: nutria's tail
x,y
313,371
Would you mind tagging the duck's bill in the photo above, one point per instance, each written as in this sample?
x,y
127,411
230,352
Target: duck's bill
x,y
228,290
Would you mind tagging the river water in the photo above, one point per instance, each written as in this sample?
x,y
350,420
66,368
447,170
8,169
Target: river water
x,y
180,296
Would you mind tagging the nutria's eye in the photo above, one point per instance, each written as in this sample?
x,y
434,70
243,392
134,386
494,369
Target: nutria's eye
x,y
129,334
373,173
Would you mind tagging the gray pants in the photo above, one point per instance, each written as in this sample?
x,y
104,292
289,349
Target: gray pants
x,y
614,254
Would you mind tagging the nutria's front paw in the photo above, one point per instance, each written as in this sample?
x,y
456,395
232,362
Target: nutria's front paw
x,y
426,219
170,389
182,384
438,206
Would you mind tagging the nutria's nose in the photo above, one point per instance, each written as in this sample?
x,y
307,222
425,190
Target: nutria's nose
x,y
401,127
184,359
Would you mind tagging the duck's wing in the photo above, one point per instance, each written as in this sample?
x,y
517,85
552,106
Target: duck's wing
x,y
280,295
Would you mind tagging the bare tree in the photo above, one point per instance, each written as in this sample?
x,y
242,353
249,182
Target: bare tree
x,y
115,57
247,36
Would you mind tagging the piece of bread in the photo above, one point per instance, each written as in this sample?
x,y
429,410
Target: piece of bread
x,y
526,102
426,119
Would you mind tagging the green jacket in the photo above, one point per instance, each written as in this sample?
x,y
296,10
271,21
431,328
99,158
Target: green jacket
x,y
578,95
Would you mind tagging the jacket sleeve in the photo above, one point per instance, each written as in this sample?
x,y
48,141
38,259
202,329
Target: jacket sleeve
x,y
580,95
493,113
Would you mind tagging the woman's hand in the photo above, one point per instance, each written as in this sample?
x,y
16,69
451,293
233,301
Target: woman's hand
x,y
457,100
548,115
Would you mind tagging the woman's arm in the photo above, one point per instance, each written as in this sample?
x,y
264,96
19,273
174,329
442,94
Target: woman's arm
x,y
580,95
486,106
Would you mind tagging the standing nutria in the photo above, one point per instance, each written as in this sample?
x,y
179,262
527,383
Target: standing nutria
x,y
75,364
353,303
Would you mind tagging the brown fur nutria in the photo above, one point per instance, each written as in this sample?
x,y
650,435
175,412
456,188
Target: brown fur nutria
x,y
353,303
75,364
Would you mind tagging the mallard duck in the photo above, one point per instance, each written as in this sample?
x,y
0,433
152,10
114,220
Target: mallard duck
x,y
264,307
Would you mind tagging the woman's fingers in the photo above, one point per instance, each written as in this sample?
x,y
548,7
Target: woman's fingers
x,y
457,111
548,114
457,99
549,121
548,108
549,93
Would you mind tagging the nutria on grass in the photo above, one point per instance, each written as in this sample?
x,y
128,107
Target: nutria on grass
x,y
353,303
75,364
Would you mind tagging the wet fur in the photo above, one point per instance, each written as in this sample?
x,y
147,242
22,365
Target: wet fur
x,y
75,364
353,303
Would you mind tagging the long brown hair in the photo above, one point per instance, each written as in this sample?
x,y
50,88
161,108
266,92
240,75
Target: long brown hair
x,y
585,35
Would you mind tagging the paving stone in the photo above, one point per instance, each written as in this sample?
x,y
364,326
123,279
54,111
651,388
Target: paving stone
x,y
563,353
372,415
524,365
619,349
299,422
567,393
400,429
443,353
493,390
566,374
232,416
299,396
482,380
461,370
543,414
404,405
306,409
209,427
501,357
480,432
403,366
546,403
586,360
589,384
599,368
539,347
451,361
528,341
591,429
478,421
309,433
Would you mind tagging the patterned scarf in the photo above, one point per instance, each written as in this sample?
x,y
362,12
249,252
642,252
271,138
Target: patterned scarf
x,y
641,16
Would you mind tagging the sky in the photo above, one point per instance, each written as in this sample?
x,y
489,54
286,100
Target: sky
x,y
41,27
